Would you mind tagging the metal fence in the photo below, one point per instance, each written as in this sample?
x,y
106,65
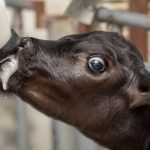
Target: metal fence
x,y
123,18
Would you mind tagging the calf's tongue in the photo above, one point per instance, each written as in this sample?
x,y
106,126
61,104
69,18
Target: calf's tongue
x,y
9,59
8,68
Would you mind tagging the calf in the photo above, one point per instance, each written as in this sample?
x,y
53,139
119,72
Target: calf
x,y
96,82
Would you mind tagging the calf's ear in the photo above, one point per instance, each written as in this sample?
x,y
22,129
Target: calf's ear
x,y
139,93
141,100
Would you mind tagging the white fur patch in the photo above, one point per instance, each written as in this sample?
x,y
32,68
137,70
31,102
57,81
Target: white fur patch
x,y
8,68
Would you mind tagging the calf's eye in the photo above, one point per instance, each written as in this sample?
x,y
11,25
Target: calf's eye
x,y
96,64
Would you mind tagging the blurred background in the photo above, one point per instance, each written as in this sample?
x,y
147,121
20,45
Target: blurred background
x,y
21,126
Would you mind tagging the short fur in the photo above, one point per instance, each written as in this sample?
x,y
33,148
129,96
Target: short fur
x,y
111,108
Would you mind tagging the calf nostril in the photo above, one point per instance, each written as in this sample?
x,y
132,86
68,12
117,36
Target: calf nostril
x,y
28,43
25,42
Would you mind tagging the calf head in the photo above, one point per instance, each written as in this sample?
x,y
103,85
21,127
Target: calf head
x,y
96,82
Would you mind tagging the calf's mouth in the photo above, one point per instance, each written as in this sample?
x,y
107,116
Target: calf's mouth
x,y
9,65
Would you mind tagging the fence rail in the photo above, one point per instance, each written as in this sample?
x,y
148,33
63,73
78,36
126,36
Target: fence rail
x,y
123,18
19,3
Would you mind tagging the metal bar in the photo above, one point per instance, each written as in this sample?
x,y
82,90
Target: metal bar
x,y
84,143
62,130
21,126
123,18
19,3
22,140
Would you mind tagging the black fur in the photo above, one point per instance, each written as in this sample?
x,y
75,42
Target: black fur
x,y
111,107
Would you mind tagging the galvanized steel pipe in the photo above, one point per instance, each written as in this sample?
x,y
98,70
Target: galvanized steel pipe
x,y
123,18
19,3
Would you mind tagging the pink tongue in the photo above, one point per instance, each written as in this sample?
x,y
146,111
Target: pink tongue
x,y
8,68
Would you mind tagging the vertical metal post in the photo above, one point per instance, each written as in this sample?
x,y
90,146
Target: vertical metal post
x,y
84,143
63,137
21,125
17,20
20,110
